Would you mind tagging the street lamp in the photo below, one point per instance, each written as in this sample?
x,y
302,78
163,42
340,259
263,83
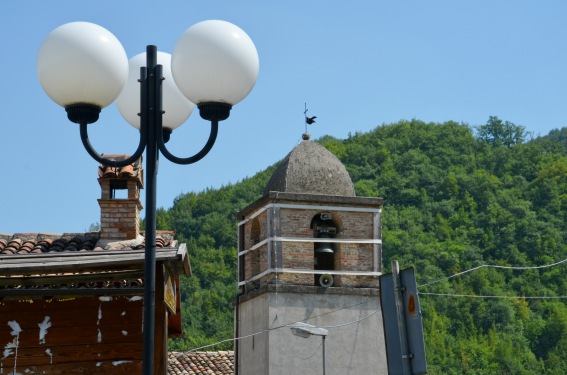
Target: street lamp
x,y
305,330
84,68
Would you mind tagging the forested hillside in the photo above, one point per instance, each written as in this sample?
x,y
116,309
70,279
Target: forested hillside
x,y
456,198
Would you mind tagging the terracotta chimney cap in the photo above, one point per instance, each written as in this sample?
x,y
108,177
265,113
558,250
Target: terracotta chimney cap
x,y
109,171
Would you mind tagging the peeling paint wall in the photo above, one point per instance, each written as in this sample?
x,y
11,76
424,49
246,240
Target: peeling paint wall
x,y
98,335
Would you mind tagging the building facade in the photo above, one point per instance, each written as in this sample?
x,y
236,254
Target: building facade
x,y
73,303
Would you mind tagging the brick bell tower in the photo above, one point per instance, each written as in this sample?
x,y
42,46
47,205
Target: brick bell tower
x,y
309,251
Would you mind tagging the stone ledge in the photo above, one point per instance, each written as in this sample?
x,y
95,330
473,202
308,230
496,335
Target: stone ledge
x,y
307,289
314,199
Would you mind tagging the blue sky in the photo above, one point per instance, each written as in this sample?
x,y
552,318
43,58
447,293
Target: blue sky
x,y
356,64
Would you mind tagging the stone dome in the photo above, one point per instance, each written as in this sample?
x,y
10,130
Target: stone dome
x,y
311,169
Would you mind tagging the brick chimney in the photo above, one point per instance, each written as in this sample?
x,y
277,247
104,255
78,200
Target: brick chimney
x,y
120,200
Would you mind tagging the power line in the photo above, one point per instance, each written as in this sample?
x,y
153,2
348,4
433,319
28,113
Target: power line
x,y
420,293
355,321
289,324
493,266
475,296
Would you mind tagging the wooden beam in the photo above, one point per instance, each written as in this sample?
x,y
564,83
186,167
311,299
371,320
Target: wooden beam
x,y
88,261
71,278
72,292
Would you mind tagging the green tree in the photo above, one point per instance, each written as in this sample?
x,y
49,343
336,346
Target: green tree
x,y
501,133
456,197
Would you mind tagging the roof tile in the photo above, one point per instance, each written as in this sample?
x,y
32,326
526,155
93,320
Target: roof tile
x,y
201,363
131,170
34,243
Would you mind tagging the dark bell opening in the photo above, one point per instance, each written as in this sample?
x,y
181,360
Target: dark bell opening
x,y
324,252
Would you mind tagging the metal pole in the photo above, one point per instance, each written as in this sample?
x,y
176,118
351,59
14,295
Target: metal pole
x,y
150,111
405,360
152,139
324,365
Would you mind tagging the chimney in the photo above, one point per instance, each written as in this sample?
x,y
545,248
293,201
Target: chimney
x,y
120,200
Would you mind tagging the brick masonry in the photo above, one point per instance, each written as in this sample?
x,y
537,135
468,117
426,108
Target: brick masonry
x,y
120,217
296,223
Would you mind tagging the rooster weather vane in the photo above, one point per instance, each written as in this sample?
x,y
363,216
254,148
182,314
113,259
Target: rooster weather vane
x,y
308,121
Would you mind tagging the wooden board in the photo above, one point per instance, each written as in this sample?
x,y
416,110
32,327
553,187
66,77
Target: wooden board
x,y
61,336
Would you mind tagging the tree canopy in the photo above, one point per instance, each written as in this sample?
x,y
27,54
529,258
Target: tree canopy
x,y
456,198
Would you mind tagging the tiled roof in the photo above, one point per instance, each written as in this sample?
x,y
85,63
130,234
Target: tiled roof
x,y
38,263
197,363
33,243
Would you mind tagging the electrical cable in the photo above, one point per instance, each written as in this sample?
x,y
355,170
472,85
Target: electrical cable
x,y
315,352
369,315
349,323
290,324
475,296
493,266
420,293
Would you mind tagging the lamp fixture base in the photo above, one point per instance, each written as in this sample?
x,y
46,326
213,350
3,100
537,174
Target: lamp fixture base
x,y
82,113
166,134
214,111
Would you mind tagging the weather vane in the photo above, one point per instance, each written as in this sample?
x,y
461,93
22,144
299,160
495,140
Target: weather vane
x,y
308,121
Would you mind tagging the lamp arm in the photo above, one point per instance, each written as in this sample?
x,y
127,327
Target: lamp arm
x,y
114,163
199,155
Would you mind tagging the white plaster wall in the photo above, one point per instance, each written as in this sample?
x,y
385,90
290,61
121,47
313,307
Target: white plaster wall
x,y
253,351
356,348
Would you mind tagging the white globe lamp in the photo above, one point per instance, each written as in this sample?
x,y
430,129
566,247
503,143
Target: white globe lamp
x,y
215,62
82,64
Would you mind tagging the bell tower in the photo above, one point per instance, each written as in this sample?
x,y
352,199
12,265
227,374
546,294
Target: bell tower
x,y
309,252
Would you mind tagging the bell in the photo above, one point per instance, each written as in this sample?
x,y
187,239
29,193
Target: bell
x,y
324,247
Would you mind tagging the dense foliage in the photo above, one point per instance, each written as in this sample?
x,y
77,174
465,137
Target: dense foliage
x,y
206,222
456,198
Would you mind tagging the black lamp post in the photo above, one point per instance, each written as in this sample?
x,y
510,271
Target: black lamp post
x,y
84,68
